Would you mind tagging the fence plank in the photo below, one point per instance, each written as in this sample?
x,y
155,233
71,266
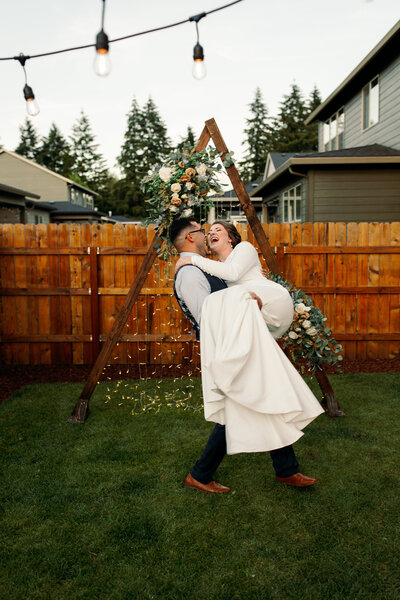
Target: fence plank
x,y
46,306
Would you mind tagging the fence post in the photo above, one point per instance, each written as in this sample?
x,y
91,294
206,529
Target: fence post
x,y
94,302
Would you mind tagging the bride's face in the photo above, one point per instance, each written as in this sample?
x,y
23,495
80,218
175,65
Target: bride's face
x,y
218,239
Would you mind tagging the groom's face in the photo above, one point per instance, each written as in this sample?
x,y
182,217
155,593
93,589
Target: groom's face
x,y
199,239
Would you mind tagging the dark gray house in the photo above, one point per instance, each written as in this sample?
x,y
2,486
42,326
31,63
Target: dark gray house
x,y
355,176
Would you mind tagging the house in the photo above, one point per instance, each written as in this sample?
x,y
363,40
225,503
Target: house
x,y
22,173
355,176
20,206
227,207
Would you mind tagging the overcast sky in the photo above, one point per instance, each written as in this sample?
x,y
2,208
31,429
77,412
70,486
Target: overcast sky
x,y
265,43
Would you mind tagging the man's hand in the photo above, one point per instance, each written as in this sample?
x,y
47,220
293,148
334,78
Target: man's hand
x,y
255,297
185,260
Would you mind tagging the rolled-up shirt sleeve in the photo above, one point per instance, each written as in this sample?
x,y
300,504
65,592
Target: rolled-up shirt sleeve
x,y
193,288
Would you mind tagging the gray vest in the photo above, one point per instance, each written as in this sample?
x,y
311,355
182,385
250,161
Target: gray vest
x,y
216,284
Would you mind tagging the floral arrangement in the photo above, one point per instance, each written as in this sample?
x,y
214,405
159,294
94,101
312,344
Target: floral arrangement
x,y
308,337
179,187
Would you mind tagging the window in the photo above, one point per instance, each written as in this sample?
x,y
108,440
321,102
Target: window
x,y
292,204
370,103
38,219
334,131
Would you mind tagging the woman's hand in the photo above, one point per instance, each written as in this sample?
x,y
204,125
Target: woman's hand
x,y
255,297
184,260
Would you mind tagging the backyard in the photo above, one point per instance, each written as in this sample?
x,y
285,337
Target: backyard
x,y
99,511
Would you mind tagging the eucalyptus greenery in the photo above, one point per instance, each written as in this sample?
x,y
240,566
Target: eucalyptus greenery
x,y
308,337
178,187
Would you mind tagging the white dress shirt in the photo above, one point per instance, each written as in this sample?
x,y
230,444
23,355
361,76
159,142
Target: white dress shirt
x,y
192,287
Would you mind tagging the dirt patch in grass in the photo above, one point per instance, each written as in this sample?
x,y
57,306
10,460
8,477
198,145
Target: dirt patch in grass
x,y
14,377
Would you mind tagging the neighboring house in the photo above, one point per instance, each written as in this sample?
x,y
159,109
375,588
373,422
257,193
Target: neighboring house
x,y
66,212
355,176
20,172
227,207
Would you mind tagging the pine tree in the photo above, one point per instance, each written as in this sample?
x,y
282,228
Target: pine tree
x,y
314,100
54,152
145,144
29,141
291,132
156,142
88,164
258,140
188,140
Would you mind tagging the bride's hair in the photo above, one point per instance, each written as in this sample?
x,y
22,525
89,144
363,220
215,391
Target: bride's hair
x,y
231,230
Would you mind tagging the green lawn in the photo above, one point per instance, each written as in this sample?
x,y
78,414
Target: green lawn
x,y
98,511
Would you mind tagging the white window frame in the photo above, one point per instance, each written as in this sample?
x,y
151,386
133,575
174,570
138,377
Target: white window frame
x,y
292,204
366,93
333,133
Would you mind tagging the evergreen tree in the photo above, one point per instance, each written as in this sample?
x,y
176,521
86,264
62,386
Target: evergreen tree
x,y
291,133
314,100
88,164
54,152
188,140
258,140
145,144
29,142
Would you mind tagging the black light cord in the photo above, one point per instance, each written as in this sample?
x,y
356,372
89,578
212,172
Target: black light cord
x,y
195,18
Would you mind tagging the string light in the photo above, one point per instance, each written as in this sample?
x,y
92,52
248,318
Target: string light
x,y
102,63
32,107
199,69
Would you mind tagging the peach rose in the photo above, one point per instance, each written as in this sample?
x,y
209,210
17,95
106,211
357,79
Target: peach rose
x,y
190,172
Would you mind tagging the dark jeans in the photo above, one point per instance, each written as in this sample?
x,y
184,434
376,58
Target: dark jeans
x,y
284,459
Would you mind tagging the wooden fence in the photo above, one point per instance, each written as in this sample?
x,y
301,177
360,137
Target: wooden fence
x,y
62,286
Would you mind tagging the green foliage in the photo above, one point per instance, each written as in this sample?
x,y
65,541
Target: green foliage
x,y
308,337
29,141
145,144
188,141
290,132
259,140
177,187
55,153
88,164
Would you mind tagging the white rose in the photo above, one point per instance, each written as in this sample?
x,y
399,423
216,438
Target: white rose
x,y
293,335
176,187
202,170
307,308
189,185
187,212
312,331
306,324
190,203
297,328
165,173
173,208
299,308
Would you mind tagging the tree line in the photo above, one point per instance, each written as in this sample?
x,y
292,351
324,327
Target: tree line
x,y
146,142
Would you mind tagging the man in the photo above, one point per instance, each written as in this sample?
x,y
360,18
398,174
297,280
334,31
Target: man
x,y
191,287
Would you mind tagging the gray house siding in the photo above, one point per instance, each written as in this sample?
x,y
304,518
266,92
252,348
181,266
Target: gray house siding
x,y
387,130
20,174
354,195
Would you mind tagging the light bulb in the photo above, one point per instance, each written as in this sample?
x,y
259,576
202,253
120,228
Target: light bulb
x,y
102,63
32,107
199,69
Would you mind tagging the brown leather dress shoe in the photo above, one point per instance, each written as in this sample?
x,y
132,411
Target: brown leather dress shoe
x,y
298,480
213,487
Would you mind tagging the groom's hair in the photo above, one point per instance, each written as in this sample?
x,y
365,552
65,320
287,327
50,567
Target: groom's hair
x,y
177,227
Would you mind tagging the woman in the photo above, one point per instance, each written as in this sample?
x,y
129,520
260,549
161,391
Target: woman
x,y
249,384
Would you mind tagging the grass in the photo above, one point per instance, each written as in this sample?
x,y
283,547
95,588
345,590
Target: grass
x,y
99,512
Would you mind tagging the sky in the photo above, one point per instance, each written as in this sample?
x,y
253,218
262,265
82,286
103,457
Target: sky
x,y
256,43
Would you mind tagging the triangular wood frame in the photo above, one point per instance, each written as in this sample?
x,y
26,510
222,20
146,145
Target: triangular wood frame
x,y
210,131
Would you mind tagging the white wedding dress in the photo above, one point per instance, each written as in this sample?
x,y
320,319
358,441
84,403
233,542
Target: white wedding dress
x,y
249,385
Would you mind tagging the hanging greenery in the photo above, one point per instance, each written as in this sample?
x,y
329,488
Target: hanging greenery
x,y
178,187
308,337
